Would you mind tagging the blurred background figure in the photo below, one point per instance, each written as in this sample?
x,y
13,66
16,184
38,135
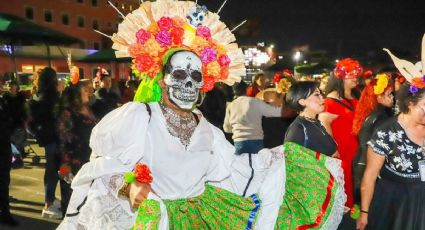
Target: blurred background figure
x,y
259,83
106,98
43,117
75,123
17,103
243,119
6,127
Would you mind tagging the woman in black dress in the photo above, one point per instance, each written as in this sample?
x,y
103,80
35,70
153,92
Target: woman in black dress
x,y
306,130
395,152
373,109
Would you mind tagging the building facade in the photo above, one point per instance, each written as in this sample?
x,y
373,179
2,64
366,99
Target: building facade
x,y
76,18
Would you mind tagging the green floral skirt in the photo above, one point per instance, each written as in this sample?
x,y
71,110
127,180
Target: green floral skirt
x,y
310,191
216,208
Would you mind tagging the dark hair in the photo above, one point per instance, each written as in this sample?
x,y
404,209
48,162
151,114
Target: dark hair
x,y
239,89
258,75
405,97
337,84
71,97
47,83
300,90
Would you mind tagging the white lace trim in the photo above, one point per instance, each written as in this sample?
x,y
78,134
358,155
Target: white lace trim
x,y
335,217
104,209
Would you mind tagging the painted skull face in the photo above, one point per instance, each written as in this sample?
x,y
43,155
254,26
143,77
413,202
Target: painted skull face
x,y
196,15
184,79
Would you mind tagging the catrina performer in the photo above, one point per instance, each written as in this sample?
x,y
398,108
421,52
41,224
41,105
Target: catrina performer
x,y
157,163
314,188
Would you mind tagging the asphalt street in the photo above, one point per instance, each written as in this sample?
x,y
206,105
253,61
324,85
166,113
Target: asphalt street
x,y
27,195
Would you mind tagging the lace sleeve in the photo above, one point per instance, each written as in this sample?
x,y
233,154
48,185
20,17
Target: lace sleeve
x,y
113,183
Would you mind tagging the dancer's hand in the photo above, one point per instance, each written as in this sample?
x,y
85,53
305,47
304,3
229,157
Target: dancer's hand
x,y
138,193
362,221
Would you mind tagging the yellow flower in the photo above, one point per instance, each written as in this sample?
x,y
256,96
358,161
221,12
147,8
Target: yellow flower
x,y
213,69
381,83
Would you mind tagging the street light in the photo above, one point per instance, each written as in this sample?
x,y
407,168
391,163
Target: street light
x,y
297,56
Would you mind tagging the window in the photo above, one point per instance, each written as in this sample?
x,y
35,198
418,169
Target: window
x,y
80,1
94,2
96,45
95,25
80,21
29,13
65,19
83,45
48,17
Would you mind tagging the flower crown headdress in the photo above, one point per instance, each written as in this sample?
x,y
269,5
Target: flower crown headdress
x,y
154,31
414,74
348,68
74,76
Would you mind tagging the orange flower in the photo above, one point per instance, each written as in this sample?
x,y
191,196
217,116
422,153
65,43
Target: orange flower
x,y
418,82
220,50
213,69
153,28
198,44
135,49
152,48
143,173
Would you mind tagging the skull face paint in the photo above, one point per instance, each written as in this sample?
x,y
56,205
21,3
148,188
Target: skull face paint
x,y
184,79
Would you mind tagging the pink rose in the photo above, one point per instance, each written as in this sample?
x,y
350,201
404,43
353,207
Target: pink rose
x,y
224,60
203,31
208,55
163,38
165,23
142,36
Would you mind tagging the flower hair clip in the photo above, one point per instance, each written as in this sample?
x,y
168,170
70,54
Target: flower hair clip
x,y
348,68
382,81
417,83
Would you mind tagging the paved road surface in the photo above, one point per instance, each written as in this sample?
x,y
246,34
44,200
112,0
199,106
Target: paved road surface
x,y
27,193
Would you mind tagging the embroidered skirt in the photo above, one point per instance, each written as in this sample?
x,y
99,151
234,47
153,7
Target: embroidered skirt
x,y
314,196
216,208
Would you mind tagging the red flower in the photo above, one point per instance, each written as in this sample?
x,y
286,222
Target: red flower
x,y
348,68
208,84
287,72
143,63
368,73
143,173
177,35
277,77
165,23
224,60
64,169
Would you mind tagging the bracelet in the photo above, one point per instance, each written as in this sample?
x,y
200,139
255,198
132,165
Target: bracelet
x,y
363,211
124,190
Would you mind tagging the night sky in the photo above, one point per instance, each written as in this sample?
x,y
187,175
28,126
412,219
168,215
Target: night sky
x,y
343,28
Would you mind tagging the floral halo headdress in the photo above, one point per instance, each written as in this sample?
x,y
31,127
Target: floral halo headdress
x,y
154,31
414,74
348,68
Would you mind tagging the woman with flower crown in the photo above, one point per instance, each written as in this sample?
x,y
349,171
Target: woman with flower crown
x,y
340,104
157,163
396,152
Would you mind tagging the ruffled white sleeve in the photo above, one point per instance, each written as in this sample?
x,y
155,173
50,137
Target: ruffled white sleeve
x,y
117,143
